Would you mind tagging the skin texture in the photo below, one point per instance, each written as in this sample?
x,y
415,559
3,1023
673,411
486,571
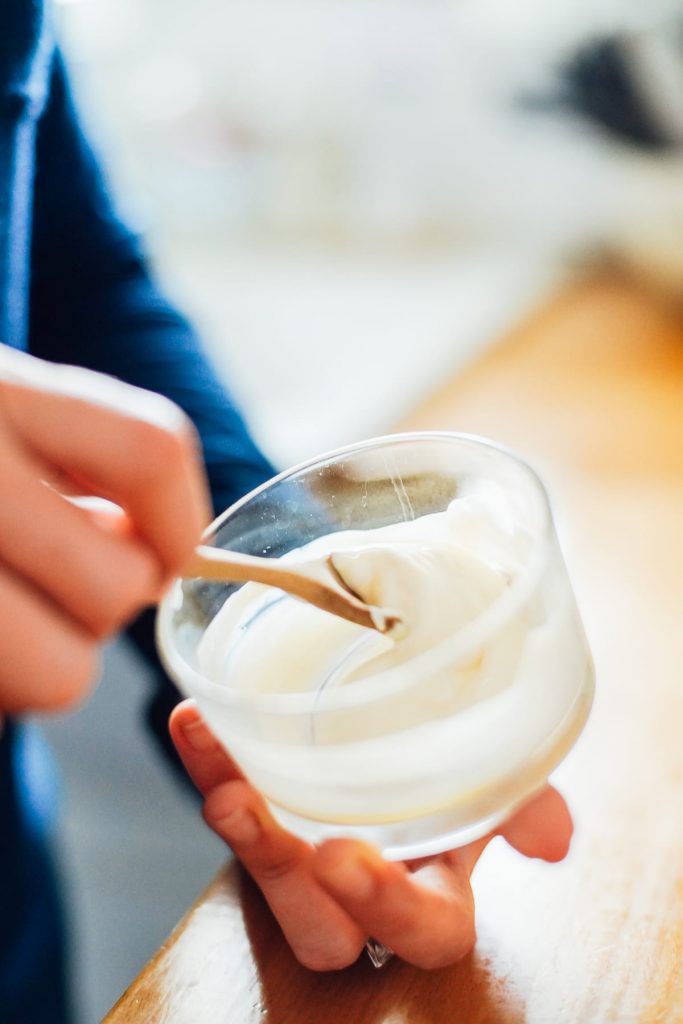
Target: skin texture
x,y
329,899
73,572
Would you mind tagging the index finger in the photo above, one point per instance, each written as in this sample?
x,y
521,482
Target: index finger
x,y
130,446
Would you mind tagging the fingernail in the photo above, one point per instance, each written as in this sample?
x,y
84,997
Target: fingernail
x,y
198,736
351,876
241,827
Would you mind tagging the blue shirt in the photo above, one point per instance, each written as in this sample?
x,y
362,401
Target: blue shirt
x,y
75,287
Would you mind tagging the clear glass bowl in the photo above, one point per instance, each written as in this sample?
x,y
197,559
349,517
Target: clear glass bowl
x,y
396,759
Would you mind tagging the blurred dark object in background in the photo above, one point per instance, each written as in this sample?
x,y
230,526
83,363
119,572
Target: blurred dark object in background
x,y
631,86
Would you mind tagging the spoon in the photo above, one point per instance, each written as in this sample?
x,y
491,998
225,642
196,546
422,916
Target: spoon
x,y
315,581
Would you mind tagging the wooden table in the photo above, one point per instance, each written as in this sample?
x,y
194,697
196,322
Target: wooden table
x,y
591,389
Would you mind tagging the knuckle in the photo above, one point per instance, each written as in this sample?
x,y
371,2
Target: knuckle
x,y
167,416
223,800
157,446
276,868
172,446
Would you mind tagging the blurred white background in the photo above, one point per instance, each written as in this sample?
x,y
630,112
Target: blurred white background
x,y
349,195
351,198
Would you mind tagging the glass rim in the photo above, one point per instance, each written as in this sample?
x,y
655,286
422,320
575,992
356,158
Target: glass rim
x,y
470,638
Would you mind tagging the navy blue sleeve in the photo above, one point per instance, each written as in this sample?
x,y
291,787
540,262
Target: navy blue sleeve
x,y
94,303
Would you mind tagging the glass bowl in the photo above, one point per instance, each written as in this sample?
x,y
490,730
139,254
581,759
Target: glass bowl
x,y
436,752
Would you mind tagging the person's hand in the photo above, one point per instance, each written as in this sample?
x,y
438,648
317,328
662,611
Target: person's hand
x,y
330,899
71,574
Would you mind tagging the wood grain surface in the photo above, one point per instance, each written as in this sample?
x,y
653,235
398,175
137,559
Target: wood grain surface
x,y
591,391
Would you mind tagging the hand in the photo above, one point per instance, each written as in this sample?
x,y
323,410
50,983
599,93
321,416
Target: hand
x,y
71,575
329,899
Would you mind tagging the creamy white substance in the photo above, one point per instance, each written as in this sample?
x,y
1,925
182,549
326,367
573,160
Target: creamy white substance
x,y
440,572
459,700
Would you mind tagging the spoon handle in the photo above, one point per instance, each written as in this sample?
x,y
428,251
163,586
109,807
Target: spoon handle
x,y
314,582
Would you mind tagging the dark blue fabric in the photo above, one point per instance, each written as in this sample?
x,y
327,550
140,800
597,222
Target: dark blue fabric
x,y
75,287
33,988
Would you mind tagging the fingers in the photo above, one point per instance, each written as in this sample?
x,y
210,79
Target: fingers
x,y
47,660
328,900
126,444
426,918
98,577
70,576
321,934
542,827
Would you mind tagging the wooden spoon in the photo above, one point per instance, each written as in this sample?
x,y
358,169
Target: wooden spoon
x,y
316,581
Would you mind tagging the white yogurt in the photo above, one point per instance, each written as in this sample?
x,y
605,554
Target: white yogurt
x,y
484,678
